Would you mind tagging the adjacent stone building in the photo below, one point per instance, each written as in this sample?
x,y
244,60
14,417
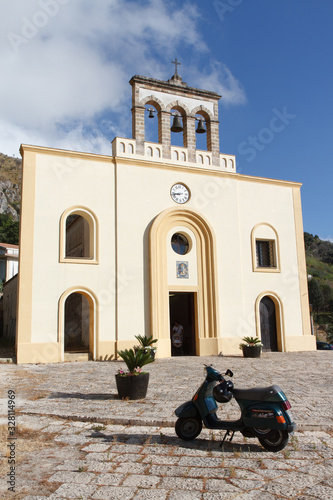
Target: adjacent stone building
x,y
9,256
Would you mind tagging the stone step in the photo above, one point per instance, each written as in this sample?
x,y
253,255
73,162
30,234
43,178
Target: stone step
x,y
77,356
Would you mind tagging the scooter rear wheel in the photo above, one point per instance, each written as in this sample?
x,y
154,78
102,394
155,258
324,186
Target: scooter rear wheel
x,y
188,428
275,440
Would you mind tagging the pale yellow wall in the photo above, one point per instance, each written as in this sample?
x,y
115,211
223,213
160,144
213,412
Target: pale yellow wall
x,y
272,205
303,281
25,276
117,281
143,193
233,206
63,181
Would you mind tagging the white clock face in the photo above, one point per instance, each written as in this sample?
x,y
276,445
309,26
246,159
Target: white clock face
x,y
180,193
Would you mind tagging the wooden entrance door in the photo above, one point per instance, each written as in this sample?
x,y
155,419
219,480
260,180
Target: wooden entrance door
x,y
76,323
268,324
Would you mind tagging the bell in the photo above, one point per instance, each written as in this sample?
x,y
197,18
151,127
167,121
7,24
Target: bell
x,y
151,113
177,124
201,127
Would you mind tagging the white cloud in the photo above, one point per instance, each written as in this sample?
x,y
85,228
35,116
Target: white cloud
x,y
66,66
219,78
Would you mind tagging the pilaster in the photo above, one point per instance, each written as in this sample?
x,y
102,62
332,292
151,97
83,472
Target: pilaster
x,y
138,127
213,141
190,138
164,135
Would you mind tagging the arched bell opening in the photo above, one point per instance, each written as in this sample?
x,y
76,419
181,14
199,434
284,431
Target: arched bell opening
x,y
178,125
202,124
152,122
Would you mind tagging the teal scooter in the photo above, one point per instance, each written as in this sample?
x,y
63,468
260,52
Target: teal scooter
x,y
264,412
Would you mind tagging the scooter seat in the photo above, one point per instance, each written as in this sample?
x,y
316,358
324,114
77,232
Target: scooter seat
x,y
258,393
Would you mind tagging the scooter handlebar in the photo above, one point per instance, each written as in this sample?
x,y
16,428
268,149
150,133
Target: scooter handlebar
x,y
214,374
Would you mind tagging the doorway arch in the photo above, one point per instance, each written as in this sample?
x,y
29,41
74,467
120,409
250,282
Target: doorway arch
x,y
77,322
269,319
207,317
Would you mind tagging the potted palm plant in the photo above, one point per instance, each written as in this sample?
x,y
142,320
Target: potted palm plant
x,y
251,347
146,343
133,383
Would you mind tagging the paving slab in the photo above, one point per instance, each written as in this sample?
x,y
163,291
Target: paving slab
x,y
76,439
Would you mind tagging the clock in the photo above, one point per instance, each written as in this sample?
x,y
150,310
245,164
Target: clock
x,y
180,193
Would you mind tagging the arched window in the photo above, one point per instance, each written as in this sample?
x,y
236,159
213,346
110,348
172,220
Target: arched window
x,y
78,236
265,248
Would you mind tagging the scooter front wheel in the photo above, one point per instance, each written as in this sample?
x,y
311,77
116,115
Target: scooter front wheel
x,y
275,440
188,428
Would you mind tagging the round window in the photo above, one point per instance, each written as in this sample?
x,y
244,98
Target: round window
x,y
180,244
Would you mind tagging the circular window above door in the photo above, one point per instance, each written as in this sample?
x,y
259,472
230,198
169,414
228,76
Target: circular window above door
x,y
180,243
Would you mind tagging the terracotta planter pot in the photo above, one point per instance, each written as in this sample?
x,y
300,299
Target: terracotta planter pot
x,y
132,387
251,351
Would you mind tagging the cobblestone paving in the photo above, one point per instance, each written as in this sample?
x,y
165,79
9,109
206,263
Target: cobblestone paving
x,y
75,439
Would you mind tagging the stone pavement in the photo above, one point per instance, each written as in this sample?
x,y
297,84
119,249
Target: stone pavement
x,y
75,439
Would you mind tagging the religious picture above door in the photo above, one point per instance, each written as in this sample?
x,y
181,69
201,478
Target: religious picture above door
x,y
182,269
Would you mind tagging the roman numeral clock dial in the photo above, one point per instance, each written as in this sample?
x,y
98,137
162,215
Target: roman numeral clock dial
x,y
180,193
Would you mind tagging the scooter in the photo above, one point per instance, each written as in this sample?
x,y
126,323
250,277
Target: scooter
x,y
264,412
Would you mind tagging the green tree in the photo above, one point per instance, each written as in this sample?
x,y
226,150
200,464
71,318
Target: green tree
x,y
315,294
9,229
330,306
327,292
308,241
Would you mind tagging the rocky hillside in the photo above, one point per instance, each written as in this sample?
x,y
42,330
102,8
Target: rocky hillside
x,y
10,185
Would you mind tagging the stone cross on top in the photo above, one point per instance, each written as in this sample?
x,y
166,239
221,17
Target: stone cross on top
x,y
176,63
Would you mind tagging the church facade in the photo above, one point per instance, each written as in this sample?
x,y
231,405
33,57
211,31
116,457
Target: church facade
x,y
121,245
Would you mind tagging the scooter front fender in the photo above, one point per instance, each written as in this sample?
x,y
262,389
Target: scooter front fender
x,y
187,410
263,416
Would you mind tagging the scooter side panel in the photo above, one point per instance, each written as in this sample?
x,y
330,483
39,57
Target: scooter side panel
x,y
204,400
187,410
263,416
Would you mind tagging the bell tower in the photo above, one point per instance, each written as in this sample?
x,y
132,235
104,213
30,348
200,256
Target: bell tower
x,y
191,108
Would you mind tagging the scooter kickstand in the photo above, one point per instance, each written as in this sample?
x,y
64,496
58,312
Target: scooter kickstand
x,y
225,436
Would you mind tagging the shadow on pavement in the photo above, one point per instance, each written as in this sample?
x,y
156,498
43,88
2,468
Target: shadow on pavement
x,y
208,445
81,395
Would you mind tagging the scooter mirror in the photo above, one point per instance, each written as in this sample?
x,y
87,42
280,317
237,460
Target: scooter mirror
x,y
229,373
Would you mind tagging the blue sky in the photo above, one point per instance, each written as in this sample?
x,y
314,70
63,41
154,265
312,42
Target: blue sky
x,y
66,64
